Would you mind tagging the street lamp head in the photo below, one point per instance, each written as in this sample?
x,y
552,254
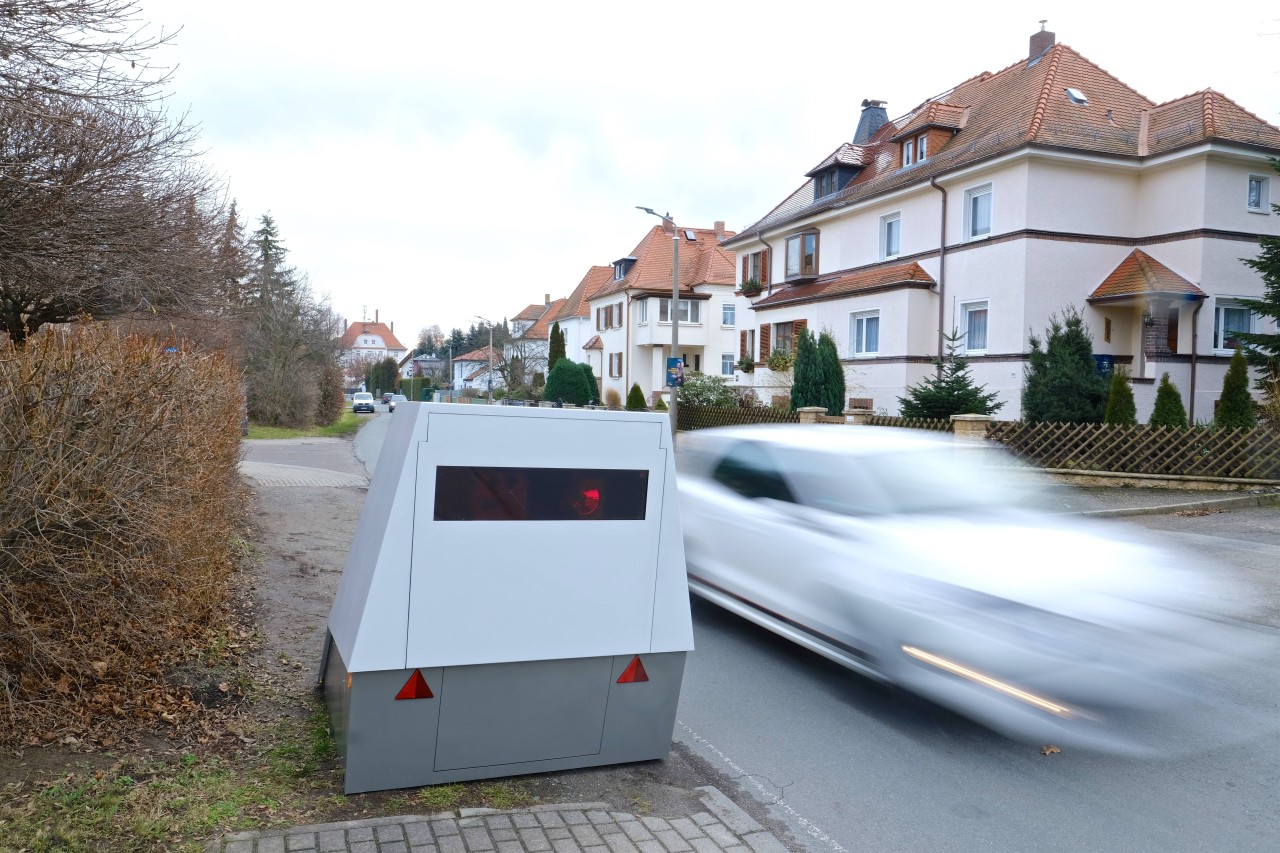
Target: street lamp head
x,y
648,210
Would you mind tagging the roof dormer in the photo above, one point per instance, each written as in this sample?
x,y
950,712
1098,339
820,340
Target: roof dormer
x,y
622,266
835,172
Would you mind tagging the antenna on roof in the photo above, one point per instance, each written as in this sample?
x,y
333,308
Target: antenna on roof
x,y
1042,23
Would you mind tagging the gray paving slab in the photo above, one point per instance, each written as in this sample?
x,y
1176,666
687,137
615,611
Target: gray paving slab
x,y
721,826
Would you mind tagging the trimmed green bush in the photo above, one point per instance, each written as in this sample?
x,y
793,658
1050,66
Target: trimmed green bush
x,y
1236,409
1121,409
1169,411
635,399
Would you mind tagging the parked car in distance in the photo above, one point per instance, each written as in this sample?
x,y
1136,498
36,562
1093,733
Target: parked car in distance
x,y
386,398
362,401
907,558
396,398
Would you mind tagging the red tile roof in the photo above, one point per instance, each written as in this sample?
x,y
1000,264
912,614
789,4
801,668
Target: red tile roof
x,y
594,343
1026,104
367,327
702,261
898,275
541,330
481,354
533,312
576,304
1140,274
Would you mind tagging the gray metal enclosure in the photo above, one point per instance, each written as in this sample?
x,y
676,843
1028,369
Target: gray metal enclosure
x,y
537,617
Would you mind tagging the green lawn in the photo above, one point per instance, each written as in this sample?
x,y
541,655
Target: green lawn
x,y
345,425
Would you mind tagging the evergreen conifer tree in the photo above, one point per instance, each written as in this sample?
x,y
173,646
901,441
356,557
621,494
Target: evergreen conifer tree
x,y
1236,409
566,383
1169,411
635,399
951,392
832,375
592,388
555,351
1062,384
1263,350
806,373
1121,409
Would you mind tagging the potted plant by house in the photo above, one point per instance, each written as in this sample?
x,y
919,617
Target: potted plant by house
x,y
746,365
751,287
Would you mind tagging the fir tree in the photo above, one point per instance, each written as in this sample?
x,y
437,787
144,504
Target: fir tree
x,y
806,373
1263,350
1236,409
1169,411
635,399
951,391
556,348
571,383
1062,384
589,379
1121,410
832,374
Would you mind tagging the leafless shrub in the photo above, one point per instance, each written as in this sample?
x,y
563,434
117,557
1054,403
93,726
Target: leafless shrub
x,y
612,398
119,504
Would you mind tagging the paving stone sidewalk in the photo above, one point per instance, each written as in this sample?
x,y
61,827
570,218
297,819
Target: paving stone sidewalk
x,y
562,828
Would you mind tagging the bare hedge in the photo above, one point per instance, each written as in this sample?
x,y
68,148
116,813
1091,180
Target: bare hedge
x,y
119,507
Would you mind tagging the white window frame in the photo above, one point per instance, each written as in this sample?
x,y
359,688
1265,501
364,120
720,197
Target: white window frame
x,y
890,222
972,307
728,363
776,337
642,312
922,147
970,225
795,247
615,358
751,346
617,314
1221,304
858,333
728,314
688,311
1264,194
754,261
908,152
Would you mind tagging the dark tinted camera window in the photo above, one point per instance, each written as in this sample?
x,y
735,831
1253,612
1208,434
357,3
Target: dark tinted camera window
x,y
749,470
467,493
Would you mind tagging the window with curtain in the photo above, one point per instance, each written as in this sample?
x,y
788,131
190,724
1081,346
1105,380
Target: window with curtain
x,y
975,326
977,212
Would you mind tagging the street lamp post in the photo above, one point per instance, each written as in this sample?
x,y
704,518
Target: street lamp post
x,y
489,373
675,305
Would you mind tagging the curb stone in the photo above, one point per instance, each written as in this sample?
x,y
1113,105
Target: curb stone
x,y
558,828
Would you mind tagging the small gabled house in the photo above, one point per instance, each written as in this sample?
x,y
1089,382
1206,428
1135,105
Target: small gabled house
x,y
476,369
999,203
364,342
581,340
631,312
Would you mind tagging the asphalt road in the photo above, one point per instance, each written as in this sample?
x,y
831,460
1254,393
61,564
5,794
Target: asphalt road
x,y
850,765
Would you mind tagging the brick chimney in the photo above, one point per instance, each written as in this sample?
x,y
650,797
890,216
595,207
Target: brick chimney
x,y
719,228
375,315
546,299
1041,42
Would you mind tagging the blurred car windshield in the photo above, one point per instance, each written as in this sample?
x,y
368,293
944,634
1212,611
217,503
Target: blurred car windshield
x,y
928,480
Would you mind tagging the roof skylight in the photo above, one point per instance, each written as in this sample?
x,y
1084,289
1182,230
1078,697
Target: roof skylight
x,y
1076,96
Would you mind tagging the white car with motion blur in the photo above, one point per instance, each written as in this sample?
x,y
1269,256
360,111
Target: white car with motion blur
x,y
905,557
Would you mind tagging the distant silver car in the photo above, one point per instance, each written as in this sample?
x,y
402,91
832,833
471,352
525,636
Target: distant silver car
x,y
396,398
903,557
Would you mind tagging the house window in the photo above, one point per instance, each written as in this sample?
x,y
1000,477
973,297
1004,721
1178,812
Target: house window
x,y
1258,194
728,314
727,362
890,236
922,148
802,255
908,152
974,317
751,268
864,333
782,334
642,312
617,316
1230,317
697,362
688,311
749,344
615,364
977,212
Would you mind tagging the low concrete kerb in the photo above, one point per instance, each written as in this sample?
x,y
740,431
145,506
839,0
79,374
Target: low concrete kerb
x,y
1272,499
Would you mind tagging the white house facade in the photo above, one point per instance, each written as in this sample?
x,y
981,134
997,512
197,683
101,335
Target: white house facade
x,y
1010,198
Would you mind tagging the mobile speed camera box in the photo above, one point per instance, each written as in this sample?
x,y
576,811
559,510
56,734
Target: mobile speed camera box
x,y
515,600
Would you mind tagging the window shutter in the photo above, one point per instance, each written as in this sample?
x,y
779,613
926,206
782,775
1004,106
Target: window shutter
x,y
742,345
765,332
746,265
797,328
765,258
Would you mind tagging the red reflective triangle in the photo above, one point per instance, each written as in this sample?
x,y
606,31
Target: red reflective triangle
x,y
634,672
415,688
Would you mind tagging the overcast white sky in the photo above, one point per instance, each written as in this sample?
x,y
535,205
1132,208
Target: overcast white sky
x,y
436,161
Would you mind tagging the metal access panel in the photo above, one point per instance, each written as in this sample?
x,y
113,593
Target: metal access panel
x,y
535,618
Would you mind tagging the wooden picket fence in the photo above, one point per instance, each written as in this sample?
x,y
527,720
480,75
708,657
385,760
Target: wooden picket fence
x,y
705,417
1188,452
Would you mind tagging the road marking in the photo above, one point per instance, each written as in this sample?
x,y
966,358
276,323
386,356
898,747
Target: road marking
x,y
808,826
